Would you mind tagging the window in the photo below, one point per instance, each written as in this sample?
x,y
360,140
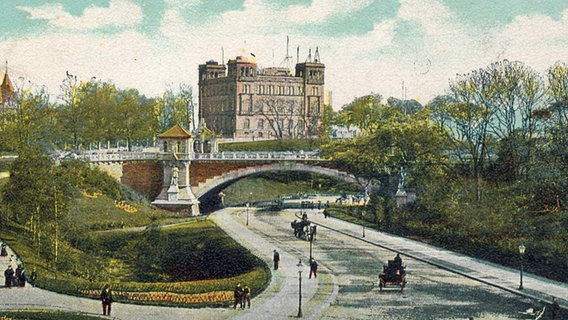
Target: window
x,y
260,125
315,91
246,124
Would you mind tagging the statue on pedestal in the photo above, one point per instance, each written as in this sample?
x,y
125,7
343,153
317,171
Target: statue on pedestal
x,y
175,176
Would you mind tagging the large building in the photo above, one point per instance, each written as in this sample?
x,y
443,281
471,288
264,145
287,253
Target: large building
x,y
241,101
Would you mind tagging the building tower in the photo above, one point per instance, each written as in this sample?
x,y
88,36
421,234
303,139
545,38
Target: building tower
x,y
6,92
313,75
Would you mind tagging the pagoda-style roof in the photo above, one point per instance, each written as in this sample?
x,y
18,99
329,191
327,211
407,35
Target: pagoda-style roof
x,y
175,132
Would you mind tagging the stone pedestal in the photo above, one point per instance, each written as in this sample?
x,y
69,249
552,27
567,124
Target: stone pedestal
x,y
176,194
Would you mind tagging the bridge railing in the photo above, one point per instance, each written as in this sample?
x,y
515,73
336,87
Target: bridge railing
x,y
265,155
221,156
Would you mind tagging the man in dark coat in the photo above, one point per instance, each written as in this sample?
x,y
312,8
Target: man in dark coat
x,y
276,259
3,252
21,275
106,299
8,275
313,268
238,295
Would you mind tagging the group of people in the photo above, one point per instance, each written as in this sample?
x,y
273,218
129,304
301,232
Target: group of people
x,y
242,296
17,277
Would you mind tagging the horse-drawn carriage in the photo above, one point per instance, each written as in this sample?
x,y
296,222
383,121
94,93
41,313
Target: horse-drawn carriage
x,y
394,273
303,228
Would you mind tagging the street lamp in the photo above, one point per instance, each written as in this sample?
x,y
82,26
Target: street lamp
x,y
521,253
248,204
300,265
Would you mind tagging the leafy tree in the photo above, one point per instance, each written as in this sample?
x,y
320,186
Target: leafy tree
x,y
32,120
363,113
38,196
177,107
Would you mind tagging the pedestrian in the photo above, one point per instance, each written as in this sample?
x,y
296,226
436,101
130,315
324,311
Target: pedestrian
x,y
555,309
33,277
238,295
313,268
106,299
246,297
21,276
8,275
3,252
276,259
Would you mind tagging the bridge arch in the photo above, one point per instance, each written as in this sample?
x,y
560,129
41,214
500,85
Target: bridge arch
x,y
225,178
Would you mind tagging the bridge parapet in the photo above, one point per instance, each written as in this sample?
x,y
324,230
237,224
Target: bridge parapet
x,y
264,155
220,156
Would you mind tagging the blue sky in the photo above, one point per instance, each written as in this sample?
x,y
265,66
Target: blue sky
x,y
367,45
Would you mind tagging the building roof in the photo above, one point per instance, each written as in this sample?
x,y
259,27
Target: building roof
x,y
6,88
175,132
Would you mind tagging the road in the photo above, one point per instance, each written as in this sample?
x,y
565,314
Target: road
x,y
346,287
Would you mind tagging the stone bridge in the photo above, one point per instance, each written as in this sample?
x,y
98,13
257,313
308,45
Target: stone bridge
x,y
178,178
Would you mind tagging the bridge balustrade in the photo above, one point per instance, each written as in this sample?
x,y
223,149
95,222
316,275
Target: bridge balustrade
x,y
221,156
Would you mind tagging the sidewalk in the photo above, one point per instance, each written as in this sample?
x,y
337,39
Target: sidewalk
x,y
535,287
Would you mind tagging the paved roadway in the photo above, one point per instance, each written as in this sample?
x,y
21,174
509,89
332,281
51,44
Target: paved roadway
x,y
346,287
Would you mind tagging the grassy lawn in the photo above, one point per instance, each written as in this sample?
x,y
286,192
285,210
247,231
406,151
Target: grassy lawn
x,y
192,264
268,187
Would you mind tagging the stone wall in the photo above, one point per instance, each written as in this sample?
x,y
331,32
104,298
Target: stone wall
x,y
144,177
203,170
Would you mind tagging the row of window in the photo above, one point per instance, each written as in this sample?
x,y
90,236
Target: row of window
x,y
223,89
260,125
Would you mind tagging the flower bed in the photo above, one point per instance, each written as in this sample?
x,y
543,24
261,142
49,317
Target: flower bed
x,y
166,297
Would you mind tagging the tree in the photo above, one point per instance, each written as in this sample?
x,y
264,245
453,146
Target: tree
x,y
363,113
518,94
286,118
71,115
37,196
32,118
397,141
464,118
177,107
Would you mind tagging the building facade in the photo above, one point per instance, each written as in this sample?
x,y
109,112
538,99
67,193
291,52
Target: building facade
x,y
239,100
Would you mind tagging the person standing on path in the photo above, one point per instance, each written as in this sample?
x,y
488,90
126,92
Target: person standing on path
x,y
246,297
276,259
313,268
106,299
33,277
555,309
238,295
8,276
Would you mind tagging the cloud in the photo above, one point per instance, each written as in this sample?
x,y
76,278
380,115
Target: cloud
x,y
424,44
120,13
321,10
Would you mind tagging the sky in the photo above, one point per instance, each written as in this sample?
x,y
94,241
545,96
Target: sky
x,y
367,46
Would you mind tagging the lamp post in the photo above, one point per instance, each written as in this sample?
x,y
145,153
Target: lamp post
x,y
248,204
300,265
521,253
